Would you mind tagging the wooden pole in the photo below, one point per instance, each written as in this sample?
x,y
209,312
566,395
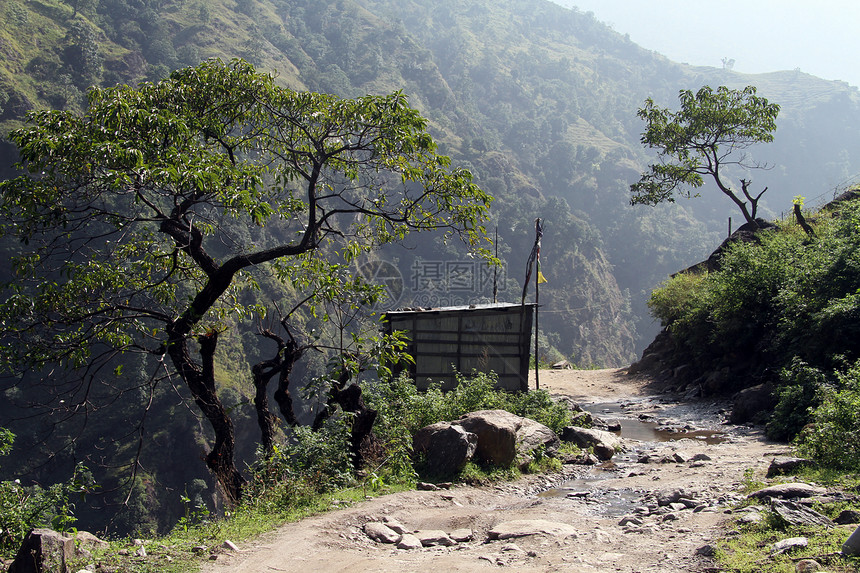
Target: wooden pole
x,y
537,330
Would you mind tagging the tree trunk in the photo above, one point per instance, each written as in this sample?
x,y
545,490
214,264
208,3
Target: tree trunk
x,y
292,354
201,382
350,400
801,220
265,418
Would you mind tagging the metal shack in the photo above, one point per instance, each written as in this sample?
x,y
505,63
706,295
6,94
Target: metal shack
x,y
480,337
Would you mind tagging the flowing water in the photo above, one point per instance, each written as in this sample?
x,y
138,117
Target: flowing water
x,y
646,428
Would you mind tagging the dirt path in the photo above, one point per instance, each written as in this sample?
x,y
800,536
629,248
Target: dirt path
x,y
615,517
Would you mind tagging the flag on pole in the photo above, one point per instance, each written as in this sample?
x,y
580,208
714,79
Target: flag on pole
x,y
539,233
534,261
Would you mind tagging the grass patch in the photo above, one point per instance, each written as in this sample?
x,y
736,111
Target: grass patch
x,y
751,550
750,547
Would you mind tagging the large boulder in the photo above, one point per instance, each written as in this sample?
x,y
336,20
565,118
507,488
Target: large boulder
x,y
750,404
532,436
505,438
497,434
788,491
446,447
605,444
43,551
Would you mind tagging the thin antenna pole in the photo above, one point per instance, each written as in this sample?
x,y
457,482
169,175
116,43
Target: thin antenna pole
x,y
496,268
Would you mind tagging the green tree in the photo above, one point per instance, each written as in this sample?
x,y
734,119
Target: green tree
x,y
708,135
146,220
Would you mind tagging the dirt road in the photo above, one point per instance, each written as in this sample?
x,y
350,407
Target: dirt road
x,y
648,510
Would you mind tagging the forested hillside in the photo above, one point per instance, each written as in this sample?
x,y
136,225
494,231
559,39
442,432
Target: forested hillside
x,y
538,101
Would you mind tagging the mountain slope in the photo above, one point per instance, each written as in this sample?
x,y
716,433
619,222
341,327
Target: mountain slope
x,y
537,100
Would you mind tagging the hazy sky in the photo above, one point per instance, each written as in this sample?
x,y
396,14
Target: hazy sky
x,y
820,37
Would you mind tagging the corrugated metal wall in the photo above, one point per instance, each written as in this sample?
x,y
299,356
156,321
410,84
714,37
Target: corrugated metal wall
x,y
492,337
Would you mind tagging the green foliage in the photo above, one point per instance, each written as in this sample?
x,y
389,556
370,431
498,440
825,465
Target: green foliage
x,y
798,394
23,508
833,437
310,463
678,297
707,135
149,219
783,305
751,551
403,410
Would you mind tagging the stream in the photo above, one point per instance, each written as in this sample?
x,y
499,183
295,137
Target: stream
x,y
638,423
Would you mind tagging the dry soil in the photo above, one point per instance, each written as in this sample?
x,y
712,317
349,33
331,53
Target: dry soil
x,y
597,502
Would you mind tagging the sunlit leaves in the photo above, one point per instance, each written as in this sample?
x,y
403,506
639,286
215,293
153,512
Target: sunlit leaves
x,y
158,206
708,133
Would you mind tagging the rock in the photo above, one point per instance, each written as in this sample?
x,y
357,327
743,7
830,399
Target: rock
x,y
229,545
787,545
446,447
785,465
630,520
562,365
496,431
87,539
504,437
380,532
749,403
669,497
395,526
796,514
706,551
408,541
43,550
531,436
750,518
431,537
424,486
788,491
807,566
462,535
605,444
528,527
700,458
847,517
850,547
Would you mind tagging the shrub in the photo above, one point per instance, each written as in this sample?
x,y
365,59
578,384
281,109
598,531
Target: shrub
x,y
403,410
23,508
309,463
798,395
833,437
677,298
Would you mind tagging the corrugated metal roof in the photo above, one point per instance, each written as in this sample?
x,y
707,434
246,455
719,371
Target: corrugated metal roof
x,y
463,308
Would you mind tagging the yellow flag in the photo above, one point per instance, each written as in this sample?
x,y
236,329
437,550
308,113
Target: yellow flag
x,y
540,278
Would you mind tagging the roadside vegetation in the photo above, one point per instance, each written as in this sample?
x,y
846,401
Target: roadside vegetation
x,y
310,472
749,547
785,306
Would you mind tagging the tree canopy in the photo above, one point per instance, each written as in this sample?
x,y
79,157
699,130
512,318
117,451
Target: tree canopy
x,y
144,219
705,137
